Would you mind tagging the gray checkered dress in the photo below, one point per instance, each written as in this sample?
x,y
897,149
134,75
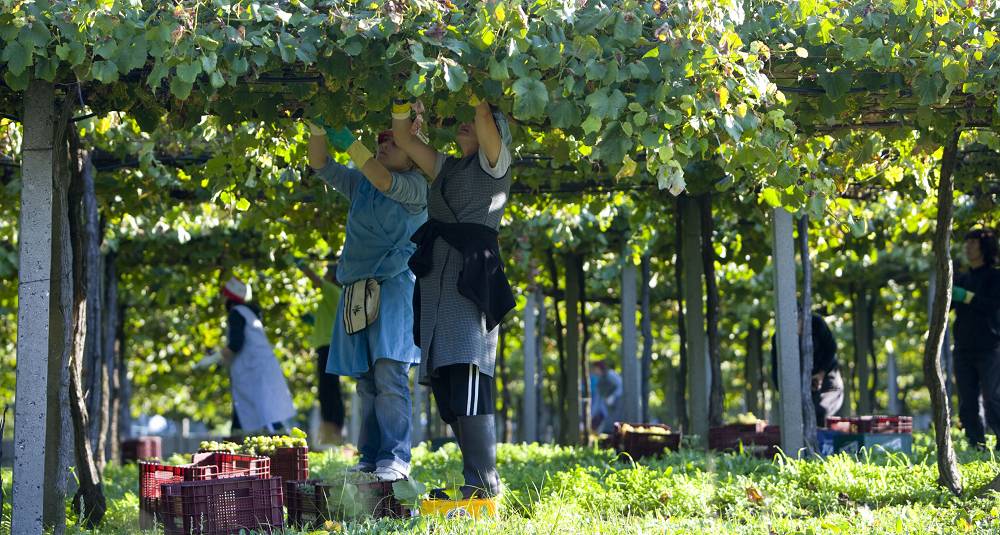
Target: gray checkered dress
x,y
452,328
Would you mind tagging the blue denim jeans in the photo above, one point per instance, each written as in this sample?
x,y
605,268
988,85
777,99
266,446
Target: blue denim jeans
x,y
386,416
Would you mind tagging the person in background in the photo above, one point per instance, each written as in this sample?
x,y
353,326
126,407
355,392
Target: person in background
x,y
388,202
608,393
462,293
598,412
331,402
261,399
976,300
827,381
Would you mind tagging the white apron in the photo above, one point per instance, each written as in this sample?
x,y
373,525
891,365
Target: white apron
x,y
260,393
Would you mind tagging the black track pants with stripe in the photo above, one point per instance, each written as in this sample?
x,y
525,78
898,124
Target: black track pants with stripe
x,y
462,390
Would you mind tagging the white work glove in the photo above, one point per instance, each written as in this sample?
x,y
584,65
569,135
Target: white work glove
x,y
610,400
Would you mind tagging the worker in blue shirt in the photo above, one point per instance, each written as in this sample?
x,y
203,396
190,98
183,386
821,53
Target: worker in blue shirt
x,y
388,202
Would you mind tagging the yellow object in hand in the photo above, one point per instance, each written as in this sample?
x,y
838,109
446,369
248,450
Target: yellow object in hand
x,y
474,100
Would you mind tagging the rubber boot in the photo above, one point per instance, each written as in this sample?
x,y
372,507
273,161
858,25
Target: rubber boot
x,y
478,441
442,494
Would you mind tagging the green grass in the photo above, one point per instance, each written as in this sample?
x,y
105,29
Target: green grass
x,y
551,489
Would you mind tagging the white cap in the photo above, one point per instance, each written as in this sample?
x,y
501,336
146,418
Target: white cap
x,y
236,290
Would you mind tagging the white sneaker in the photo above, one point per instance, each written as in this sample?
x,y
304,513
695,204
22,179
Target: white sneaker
x,y
386,473
362,467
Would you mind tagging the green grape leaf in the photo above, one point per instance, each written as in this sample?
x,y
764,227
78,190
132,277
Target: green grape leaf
x,y
606,104
18,57
188,72
564,114
179,88
455,76
837,84
104,71
530,98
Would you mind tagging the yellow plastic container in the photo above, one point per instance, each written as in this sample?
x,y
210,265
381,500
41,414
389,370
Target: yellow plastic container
x,y
473,507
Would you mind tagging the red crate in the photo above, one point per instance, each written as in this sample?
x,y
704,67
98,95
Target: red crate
x,y
290,464
234,464
380,500
740,429
152,475
837,423
758,439
222,506
640,444
142,448
885,424
729,436
307,502
206,466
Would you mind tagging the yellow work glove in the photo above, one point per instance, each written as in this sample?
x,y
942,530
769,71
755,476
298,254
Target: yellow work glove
x,y
401,110
359,154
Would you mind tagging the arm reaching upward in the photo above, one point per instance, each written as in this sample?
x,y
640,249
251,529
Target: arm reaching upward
x,y
490,141
343,140
317,146
422,154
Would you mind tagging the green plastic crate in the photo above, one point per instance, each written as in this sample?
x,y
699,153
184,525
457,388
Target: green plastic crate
x,y
853,443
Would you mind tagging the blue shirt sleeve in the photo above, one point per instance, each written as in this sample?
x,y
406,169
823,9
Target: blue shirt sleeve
x,y
342,178
410,190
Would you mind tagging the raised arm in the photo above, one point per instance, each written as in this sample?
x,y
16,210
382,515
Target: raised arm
x,y
422,154
343,140
490,141
317,146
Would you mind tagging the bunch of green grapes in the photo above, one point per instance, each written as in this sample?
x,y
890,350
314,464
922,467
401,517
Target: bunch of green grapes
x,y
267,445
211,445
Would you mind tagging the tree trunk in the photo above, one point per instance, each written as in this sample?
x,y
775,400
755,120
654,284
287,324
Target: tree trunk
x,y
805,339
949,476
584,365
862,347
562,385
647,336
570,426
94,371
847,368
680,394
124,385
716,400
93,367
89,500
755,370
110,338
